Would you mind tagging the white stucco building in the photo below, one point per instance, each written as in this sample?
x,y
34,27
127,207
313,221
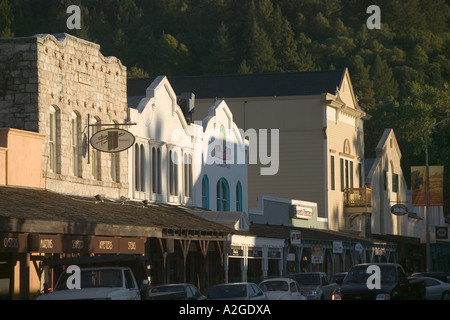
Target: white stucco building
x,y
175,161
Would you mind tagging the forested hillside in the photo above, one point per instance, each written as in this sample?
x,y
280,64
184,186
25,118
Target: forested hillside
x,y
401,72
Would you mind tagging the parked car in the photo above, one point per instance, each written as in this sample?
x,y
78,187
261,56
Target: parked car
x,y
314,285
281,289
438,275
436,289
337,277
176,291
392,284
335,282
236,291
100,283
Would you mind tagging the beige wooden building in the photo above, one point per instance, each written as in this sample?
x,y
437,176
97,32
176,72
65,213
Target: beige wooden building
x,y
314,129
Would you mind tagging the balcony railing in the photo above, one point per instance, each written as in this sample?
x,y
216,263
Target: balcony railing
x,y
358,197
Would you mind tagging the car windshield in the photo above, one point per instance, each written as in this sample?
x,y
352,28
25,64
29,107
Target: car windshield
x,y
228,291
92,279
360,275
274,286
339,276
307,279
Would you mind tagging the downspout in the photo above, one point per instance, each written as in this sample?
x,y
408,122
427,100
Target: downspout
x,y
325,154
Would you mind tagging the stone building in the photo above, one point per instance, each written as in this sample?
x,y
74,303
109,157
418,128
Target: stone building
x,y
56,85
56,91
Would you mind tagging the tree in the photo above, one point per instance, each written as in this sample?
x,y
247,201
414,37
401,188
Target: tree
x,y
136,72
383,82
283,42
6,19
170,55
221,53
362,83
259,53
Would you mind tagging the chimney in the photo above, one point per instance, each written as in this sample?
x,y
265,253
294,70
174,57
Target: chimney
x,y
186,101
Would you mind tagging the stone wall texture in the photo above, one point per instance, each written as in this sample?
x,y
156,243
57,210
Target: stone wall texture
x,y
43,73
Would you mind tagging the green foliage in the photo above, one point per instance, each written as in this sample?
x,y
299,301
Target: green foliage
x,y
400,72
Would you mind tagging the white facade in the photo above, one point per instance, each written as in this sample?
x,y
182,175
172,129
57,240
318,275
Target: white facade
x,y
223,183
152,174
386,179
181,163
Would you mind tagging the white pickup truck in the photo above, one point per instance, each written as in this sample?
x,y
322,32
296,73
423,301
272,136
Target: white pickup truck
x,y
99,283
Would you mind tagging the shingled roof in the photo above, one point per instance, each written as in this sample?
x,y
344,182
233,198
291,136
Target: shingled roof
x,y
38,210
248,85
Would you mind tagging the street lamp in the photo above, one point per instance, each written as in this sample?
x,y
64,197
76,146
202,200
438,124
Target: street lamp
x,y
427,191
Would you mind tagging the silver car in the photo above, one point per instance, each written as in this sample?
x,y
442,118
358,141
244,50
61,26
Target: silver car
x,y
236,291
281,289
436,289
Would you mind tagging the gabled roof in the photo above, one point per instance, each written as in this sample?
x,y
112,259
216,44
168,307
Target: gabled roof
x,y
249,85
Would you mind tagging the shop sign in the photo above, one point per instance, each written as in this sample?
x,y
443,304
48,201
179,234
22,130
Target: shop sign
x,y
104,245
399,209
13,242
380,251
46,243
316,254
296,237
441,233
76,244
255,253
303,212
112,140
338,247
132,245
236,252
359,248
274,254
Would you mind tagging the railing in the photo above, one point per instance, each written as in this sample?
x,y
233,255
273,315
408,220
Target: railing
x,y
358,197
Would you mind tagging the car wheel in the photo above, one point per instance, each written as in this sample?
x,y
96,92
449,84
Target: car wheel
x,y
446,296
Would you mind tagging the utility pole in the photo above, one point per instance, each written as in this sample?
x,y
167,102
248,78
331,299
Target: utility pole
x,y
427,191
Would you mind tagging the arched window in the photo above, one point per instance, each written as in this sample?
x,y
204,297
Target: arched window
x,y
115,162
238,196
96,155
137,175
205,192
53,138
173,173
142,167
223,195
139,165
76,143
156,170
187,175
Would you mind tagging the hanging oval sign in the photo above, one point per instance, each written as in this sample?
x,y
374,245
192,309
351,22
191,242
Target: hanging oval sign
x,y
112,140
399,209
